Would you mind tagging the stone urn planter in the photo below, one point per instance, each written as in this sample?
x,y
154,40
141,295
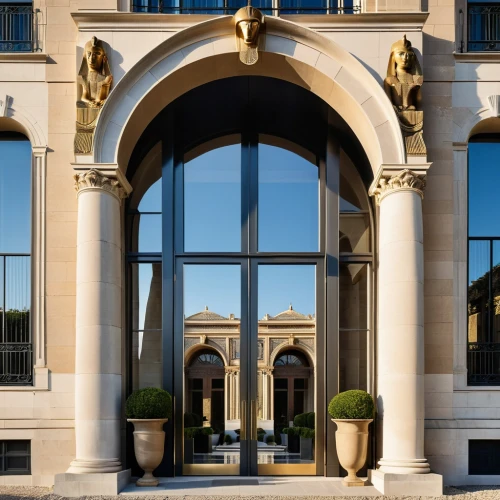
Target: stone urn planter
x,y
352,411
149,409
351,439
149,444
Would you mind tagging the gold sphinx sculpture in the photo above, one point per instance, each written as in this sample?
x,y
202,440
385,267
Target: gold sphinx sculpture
x,y
402,86
95,80
248,23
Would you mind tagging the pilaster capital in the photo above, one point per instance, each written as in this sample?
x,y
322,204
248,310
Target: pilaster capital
x,y
102,176
394,178
39,151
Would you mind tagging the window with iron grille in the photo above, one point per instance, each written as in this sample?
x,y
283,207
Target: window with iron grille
x,y
483,25
484,457
16,358
15,457
18,27
483,292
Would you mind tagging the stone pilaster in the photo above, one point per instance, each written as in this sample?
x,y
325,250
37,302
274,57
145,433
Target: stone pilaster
x,y
400,349
98,324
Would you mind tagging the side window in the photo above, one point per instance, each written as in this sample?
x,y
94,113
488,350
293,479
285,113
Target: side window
x,y
483,293
16,360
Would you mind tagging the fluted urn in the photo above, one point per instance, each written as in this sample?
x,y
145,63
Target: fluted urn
x,y
352,446
149,444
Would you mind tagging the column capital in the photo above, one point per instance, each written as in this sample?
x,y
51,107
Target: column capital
x,y
393,178
95,179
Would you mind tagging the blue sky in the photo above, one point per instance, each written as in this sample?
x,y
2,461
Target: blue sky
x,y
484,179
15,222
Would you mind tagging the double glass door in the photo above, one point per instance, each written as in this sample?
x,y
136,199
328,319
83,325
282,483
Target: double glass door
x,y
248,314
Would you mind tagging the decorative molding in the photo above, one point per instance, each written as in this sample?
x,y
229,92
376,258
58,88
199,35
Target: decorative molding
x,y
477,57
22,57
4,105
402,181
93,179
95,21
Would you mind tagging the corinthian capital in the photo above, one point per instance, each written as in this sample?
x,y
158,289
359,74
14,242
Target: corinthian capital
x,y
405,180
93,179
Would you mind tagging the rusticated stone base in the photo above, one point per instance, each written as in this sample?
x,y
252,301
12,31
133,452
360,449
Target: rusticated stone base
x,y
406,484
76,485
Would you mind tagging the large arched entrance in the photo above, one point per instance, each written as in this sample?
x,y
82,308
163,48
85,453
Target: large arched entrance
x,y
251,203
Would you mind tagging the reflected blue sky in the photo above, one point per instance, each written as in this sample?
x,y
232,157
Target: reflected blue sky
x,y
483,183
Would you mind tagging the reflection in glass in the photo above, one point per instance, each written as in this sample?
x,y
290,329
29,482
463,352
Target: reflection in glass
x,y
354,233
353,356
151,201
353,296
15,196
303,6
479,290
484,179
285,383
212,201
147,363
212,311
288,211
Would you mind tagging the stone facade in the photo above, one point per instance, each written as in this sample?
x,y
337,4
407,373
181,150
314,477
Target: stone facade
x,y
38,93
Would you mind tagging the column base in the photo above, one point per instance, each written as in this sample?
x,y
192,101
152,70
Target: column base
x,y
404,484
410,466
78,485
79,466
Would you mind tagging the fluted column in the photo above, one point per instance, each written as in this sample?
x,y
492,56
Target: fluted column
x,y
98,324
401,320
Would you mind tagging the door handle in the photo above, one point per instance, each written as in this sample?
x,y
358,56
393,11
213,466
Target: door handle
x,y
243,419
253,420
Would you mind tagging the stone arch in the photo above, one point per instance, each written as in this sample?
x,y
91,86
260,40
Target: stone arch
x,y
191,352
17,119
482,121
295,347
207,52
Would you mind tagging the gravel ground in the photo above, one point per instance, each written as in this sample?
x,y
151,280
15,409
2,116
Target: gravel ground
x,y
450,493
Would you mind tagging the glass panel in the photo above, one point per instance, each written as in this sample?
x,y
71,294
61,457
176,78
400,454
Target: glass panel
x,y
13,447
264,5
147,364
495,286
478,293
149,228
212,308
303,6
353,296
353,355
353,193
17,463
15,197
203,7
484,179
354,233
288,210
151,201
212,201
287,303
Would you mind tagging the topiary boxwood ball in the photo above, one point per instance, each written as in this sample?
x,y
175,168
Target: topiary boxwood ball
x,y
351,405
150,402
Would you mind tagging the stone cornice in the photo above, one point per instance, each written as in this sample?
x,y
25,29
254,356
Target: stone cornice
x,y
93,179
23,57
477,57
393,178
94,21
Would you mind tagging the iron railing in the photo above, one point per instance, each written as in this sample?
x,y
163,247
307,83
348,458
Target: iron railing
x,y
229,7
483,27
18,28
483,363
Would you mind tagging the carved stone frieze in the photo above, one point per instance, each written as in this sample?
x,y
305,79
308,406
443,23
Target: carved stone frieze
x,y
404,180
95,179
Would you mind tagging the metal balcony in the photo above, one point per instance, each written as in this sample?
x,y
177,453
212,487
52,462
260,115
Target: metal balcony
x,y
18,28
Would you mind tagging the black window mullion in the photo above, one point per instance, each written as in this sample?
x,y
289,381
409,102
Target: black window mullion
x,y
491,298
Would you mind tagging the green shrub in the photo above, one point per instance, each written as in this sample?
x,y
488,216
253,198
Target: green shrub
x,y
192,420
270,439
311,420
300,420
260,436
286,430
190,432
351,405
307,433
150,402
207,431
228,439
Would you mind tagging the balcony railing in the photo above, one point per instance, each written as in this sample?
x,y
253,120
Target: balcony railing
x,y
18,28
483,363
483,27
229,7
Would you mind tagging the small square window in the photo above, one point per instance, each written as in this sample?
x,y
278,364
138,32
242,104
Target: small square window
x,y
15,457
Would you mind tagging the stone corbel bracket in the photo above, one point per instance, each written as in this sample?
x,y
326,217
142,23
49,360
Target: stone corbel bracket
x,y
4,105
494,105
398,177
